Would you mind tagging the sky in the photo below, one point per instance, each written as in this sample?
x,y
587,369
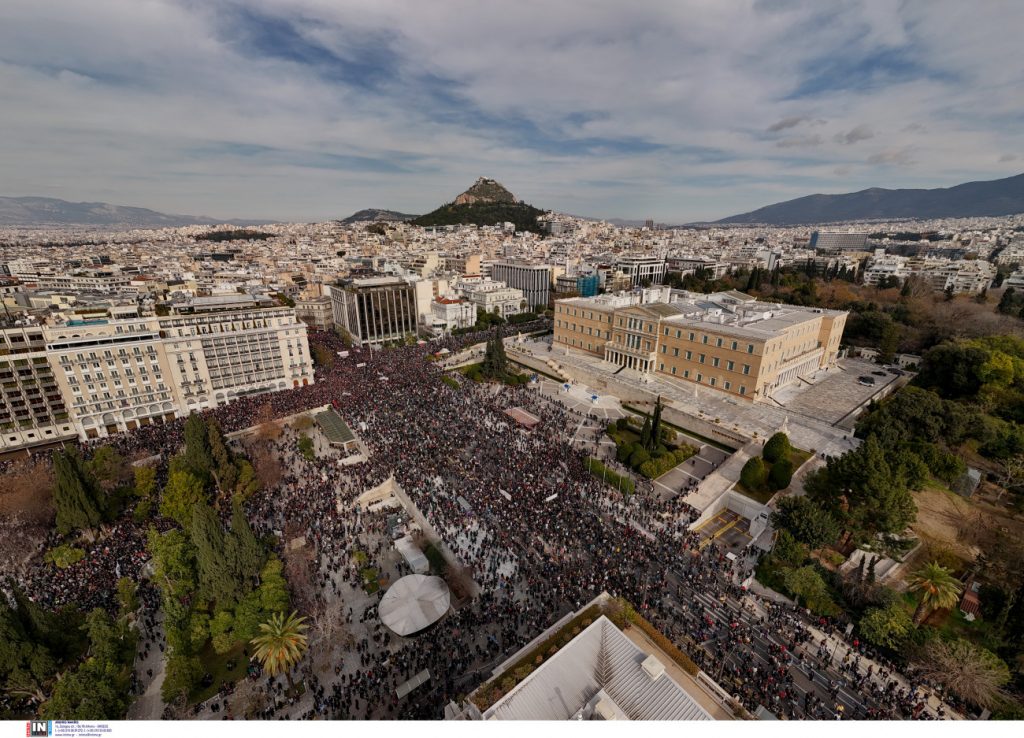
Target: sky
x,y
678,111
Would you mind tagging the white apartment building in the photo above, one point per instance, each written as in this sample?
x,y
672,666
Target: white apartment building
x,y
961,276
642,270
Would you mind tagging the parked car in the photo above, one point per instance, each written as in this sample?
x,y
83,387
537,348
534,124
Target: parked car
x,y
879,374
866,381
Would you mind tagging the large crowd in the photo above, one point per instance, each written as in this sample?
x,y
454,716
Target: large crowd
x,y
540,535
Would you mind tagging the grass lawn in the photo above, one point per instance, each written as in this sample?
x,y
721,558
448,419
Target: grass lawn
x,y
216,665
797,456
761,495
359,557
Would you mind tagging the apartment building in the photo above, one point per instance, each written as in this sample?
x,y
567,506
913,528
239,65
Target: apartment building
x,y
375,309
642,270
533,279
727,340
315,311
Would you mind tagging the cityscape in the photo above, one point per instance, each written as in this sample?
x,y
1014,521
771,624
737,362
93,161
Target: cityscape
x,y
560,441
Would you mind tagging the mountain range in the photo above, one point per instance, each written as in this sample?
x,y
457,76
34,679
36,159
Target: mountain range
x,y
44,211
973,199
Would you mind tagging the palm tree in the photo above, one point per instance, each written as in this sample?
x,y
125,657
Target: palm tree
x,y
939,589
281,644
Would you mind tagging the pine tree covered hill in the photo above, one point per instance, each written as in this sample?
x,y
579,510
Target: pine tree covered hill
x,y
523,216
486,203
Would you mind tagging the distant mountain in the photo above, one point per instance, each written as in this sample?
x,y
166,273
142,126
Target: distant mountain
x,y
485,203
376,215
43,211
973,199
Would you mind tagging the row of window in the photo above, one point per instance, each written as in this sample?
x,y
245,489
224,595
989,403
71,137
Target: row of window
x,y
712,381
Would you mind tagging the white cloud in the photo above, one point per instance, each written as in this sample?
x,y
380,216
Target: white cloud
x,y
156,103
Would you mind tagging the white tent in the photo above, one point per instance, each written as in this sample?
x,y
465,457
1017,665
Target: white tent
x,y
413,603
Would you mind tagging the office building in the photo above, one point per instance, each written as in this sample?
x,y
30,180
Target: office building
x,y
375,309
534,280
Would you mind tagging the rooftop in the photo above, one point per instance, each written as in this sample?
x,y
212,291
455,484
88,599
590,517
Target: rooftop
x,y
599,675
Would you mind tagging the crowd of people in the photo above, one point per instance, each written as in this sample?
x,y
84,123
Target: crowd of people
x,y
538,533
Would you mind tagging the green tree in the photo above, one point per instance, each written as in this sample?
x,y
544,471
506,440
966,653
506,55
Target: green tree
x,y
217,581
181,676
26,664
645,433
76,497
184,491
864,490
937,587
808,522
222,631
108,469
654,438
807,585
99,688
223,469
886,626
145,481
281,644
780,475
777,447
198,456
889,343
243,551
753,475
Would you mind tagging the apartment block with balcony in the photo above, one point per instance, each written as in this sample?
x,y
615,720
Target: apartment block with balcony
x,y
728,341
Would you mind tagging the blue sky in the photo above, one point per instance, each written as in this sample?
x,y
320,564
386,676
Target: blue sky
x,y
311,109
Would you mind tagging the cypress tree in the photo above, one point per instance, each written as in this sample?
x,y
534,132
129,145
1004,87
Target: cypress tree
x,y
243,549
197,447
73,494
645,433
224,469
655,438
871,569
216,580
500,360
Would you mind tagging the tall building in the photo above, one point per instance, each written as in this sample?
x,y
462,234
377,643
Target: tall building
x,y
32,407
726,340
533,279
119,374
375,309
